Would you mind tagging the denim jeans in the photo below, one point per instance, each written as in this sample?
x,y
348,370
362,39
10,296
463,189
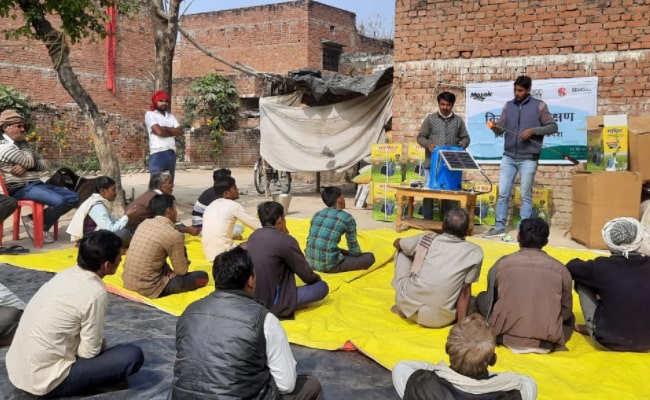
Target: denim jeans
x,y
507,174
110,367
58,199
163,161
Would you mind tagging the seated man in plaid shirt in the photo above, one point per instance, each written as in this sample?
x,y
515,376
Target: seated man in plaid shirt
x,y
327,227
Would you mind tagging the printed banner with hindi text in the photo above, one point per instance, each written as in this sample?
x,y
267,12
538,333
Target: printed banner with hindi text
x,y
569,100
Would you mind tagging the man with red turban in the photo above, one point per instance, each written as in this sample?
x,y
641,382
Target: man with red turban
x,y
162,126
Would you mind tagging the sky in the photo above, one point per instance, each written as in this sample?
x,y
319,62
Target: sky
x,y
367,11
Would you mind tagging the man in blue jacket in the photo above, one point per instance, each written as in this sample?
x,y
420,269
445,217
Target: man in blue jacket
x,y
524,122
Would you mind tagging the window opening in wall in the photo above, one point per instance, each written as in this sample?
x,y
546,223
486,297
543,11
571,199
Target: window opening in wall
x,y
331,55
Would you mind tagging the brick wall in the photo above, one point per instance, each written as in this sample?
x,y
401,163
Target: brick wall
x,y
444,45
271,38
26,66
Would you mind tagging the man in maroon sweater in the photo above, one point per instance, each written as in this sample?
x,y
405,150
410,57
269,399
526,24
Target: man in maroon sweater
x,y
277,259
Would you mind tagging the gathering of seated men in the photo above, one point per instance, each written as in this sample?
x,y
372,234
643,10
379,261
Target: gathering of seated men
x,y
526,306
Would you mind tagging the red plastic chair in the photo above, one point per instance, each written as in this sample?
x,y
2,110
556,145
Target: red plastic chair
x,y
37,216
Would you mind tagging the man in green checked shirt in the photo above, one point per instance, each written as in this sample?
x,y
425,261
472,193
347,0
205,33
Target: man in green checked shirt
x,y
327,227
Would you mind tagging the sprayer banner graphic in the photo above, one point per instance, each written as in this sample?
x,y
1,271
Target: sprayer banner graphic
x,y
569,100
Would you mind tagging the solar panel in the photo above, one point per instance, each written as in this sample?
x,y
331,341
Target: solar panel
x,y
459,160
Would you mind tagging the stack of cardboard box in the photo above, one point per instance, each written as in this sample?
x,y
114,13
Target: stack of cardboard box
x,y
610,191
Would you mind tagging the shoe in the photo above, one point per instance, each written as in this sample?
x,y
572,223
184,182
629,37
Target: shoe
x,y
494,232
48,238
29,226
581,328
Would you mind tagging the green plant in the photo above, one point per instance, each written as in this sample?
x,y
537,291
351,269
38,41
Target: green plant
x,y
11,99
212,104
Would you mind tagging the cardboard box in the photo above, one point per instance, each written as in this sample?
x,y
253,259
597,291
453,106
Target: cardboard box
x,y
486,204
414,162
600,197
386,161
542,199
639,141
384,201
607,143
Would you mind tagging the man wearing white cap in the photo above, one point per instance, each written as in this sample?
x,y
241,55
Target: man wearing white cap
x,y
21,167
613,290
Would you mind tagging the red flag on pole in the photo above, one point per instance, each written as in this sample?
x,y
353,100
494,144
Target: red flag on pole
x,y
111,45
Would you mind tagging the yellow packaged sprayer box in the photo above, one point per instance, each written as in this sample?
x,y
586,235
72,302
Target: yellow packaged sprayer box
x,y
414,162
386,160
542,199
607,143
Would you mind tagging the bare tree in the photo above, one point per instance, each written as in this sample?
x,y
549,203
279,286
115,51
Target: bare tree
x,y
164,19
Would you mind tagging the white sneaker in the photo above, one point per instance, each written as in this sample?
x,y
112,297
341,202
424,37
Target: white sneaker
x,y
29,226
48,238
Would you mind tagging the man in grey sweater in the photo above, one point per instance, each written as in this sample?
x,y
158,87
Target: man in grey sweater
x,y
443,128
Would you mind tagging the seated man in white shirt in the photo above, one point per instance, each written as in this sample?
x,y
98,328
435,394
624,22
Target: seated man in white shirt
x,y
247,354
96,213
59,347
470,346
11,309
220,216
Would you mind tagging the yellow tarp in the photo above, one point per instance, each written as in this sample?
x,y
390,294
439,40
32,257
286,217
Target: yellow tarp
x,y
358,310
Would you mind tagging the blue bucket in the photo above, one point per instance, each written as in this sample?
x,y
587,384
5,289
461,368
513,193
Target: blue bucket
x,y
441,178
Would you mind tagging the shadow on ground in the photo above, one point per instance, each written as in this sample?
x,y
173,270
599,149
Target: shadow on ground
x,y
344,375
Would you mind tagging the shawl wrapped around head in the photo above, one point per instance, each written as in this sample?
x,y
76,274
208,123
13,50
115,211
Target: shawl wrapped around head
x,y
626,235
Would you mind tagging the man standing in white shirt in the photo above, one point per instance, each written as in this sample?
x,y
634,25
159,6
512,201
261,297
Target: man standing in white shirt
x,y
220,216
246,354
59,348
162,127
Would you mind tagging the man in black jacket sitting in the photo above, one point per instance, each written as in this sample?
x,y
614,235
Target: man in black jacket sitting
x,y
230,346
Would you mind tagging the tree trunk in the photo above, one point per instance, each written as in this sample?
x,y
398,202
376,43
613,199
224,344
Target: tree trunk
x,y
58,50
165,30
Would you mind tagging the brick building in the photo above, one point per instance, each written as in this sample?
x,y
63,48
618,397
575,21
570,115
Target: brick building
x,y
26,66
443,45
273,38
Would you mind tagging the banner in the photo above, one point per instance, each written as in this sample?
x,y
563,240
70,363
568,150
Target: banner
x,y
570,101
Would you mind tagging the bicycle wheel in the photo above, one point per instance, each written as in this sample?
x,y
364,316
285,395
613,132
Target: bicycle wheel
x,y
284,181
259,177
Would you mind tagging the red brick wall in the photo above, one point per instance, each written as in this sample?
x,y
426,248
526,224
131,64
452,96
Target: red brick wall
x,y
26,66
442,45
271,38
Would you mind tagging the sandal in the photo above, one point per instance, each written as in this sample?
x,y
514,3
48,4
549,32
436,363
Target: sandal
x,y
13,250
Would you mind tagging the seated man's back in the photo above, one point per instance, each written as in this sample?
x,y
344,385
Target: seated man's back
x,y
470,346
529,300
59,347
613,290
278,259
146,270
220,217
326,229
434,273
245,353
